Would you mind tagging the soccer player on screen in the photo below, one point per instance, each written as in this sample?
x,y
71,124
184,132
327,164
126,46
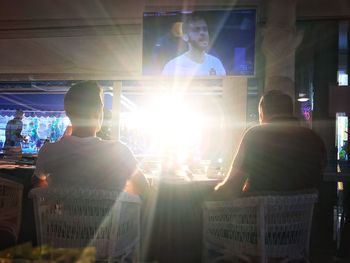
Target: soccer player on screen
x,y
196,61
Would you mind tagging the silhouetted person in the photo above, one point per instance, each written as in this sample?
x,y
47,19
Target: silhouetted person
x,y
277,155
13,137
84,160
13,131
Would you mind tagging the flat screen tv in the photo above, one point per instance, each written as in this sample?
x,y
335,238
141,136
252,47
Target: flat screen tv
x,y
200,43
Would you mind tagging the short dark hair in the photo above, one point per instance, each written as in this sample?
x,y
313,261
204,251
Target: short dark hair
x,y
276,102
19,113
189,20
83,100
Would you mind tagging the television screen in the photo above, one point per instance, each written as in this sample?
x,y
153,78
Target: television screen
x,y
201,43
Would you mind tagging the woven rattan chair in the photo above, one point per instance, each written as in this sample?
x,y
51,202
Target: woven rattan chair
x,y
10,206
269,228
78,218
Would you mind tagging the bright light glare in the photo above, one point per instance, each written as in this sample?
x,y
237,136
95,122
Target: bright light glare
x,y
171,126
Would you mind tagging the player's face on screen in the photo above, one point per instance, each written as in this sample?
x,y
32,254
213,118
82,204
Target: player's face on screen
x,y
198,35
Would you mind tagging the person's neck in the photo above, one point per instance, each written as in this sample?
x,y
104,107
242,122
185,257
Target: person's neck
x,y
196,55
83,132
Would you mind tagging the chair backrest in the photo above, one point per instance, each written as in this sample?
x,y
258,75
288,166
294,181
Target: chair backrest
x,y
77,218
10,206
270,226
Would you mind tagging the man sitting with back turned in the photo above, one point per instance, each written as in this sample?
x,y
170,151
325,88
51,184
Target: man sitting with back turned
x,y
278,155
84,160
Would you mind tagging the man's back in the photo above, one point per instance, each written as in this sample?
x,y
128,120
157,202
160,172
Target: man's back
x,y
86,162
282,156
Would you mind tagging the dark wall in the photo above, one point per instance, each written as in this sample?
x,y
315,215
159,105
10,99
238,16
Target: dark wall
x,y
316,66
316,70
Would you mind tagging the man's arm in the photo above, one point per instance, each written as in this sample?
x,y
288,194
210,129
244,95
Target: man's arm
x,y
237,178
40,176
39,182
7,130
137,184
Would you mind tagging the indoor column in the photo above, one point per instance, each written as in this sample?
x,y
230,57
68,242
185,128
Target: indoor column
x,y
117,91
280,40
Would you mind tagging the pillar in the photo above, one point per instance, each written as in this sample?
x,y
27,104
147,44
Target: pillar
x,y
280,41
117,91
234,96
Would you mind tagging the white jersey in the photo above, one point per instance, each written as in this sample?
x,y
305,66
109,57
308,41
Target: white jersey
x,y
182,65
86,162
